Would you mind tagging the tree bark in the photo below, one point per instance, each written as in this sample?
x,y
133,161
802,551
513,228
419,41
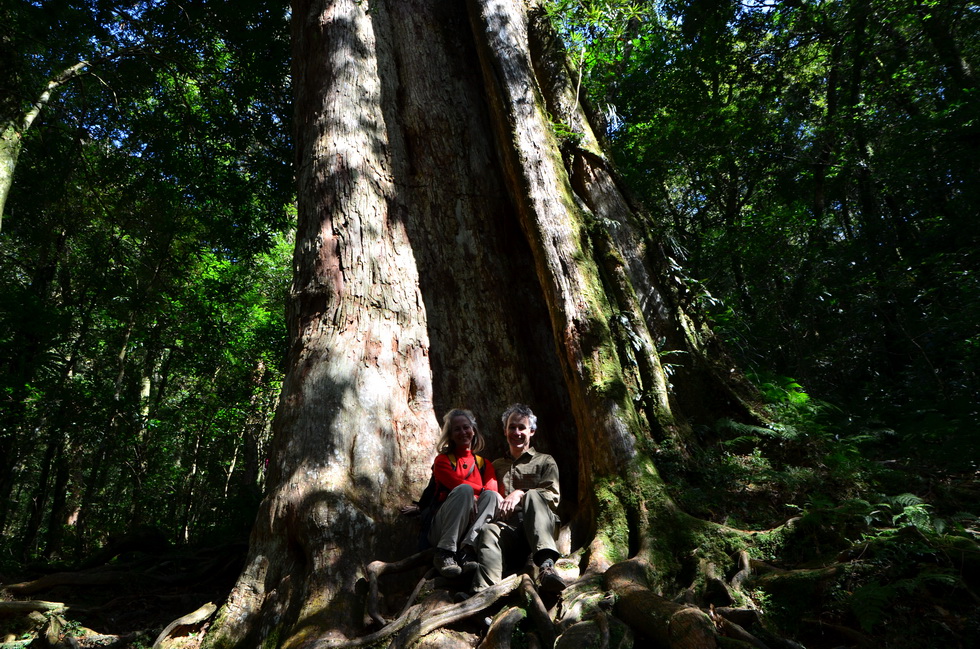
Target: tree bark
x,y
453,251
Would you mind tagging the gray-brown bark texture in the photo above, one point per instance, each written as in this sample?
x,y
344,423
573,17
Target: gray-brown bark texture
x,y
453,251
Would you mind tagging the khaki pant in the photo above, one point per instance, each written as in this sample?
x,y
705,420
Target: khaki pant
x,y
459,519
532,530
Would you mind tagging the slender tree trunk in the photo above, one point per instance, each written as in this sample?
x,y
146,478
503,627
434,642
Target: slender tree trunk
x,y
39,498
11,143
12,133
93,484
59,505
451,252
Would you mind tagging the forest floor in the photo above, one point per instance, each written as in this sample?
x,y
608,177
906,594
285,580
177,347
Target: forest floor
x,y
125,602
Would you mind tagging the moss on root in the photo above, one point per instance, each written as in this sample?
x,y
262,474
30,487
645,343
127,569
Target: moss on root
x,y
612,525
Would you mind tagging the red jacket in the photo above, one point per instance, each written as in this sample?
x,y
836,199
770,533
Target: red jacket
x,y
448,478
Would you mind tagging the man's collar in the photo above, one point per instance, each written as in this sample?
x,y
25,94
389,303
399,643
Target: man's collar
x,y
529,451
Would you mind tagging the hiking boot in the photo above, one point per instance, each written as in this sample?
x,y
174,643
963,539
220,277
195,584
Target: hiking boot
x,y
466,558
548,579
446,564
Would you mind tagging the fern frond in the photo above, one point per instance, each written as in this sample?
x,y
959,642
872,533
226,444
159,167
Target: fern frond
x,y
738,429
907,500
869,602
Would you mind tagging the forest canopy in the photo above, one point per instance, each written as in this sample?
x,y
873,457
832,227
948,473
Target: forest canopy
x,y
810,169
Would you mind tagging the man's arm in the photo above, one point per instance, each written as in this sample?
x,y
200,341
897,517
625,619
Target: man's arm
x,y
548,482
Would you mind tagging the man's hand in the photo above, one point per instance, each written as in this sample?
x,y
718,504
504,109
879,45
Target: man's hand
x,y
510,503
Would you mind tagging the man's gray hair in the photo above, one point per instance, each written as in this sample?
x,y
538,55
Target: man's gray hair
x,y
523,411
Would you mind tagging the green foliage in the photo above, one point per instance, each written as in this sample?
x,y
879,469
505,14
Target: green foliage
x,y
814,165
145,257
812,170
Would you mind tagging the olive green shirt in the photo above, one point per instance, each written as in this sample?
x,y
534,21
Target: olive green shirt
x,y
532,470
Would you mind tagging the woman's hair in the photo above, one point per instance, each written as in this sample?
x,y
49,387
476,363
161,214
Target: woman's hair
x,y
446,444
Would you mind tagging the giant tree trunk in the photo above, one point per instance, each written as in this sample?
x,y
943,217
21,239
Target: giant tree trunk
x,y
452,250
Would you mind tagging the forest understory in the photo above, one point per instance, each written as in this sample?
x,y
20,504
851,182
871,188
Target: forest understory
x,y
139,591
824,578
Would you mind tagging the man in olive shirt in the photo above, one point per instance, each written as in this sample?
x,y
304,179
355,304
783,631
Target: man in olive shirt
x,y
526,519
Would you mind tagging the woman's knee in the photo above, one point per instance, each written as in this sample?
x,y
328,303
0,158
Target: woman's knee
x,y
461,491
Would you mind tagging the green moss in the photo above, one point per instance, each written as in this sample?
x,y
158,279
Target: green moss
x,y
767,546
612,524
620,634
216,638
272,640
567,137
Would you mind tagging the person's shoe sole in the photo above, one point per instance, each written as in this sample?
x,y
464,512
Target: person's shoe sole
x,y
450,571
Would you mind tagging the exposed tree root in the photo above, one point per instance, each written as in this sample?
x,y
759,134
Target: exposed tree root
x,y
537,611
125,602
602,620
774,577
377,568
409,627
21,608
741,616
671,625
744,570
584,601
502,628
196,617
415,592
850,635
534,605
451,614
100,577
680,624
732,630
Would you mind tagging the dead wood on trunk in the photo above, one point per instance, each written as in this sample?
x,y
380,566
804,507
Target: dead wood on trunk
x,y
193,618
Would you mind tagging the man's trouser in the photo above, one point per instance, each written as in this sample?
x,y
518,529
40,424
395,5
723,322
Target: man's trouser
x,y
532,530
458,521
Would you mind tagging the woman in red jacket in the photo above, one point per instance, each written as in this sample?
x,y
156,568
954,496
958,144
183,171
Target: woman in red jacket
x,y
466,492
